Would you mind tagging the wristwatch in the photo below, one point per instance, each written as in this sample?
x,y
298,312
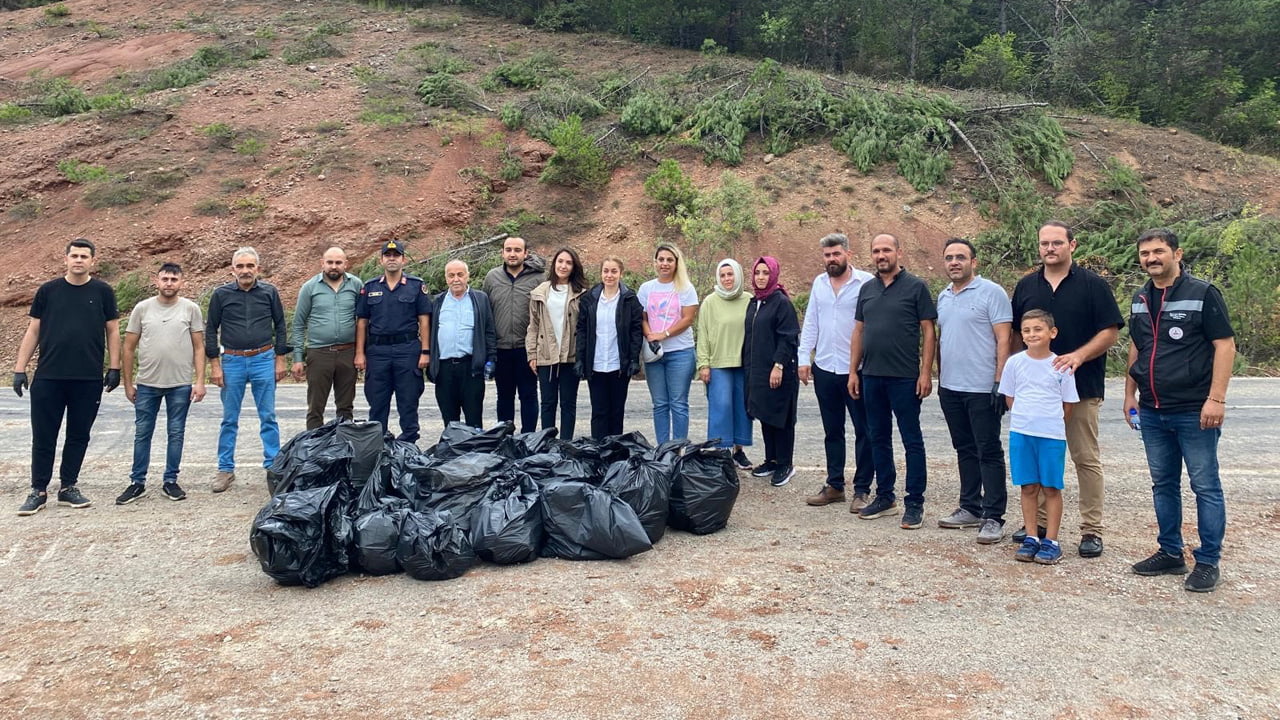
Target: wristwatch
x,y
426,352
777,366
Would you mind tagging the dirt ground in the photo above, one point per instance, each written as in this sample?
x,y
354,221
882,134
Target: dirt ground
x,y
158,609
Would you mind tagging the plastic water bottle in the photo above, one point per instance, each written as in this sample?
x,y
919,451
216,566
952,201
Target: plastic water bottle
x,y
488,370
1133,419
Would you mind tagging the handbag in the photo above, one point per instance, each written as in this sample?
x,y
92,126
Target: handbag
x,y
652,351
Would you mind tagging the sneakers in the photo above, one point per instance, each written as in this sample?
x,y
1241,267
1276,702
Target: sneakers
x,y
131,493
1203,579
859,501
1050,553
764,469
825,496
990,532
913,518
1029,549
34,504
882,506
223,480
174,491
72,497
740,460
1162,563
960,518
783,475
1021,533
1090,546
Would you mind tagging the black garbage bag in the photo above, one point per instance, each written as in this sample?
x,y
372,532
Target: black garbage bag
x,y
303,536
459,439
703,489
433,546
458,485
645,485
376,536
312,458
393,477
366,449
506,526
552,467
621,447
584,522
523,445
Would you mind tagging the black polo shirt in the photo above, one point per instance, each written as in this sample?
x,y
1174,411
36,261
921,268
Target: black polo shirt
x,y
393,311
890,316
1082,306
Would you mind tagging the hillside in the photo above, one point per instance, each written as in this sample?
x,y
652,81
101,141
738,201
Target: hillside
x,y
294,157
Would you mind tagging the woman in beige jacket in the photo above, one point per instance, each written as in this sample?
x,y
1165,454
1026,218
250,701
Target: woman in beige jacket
x,y
552,338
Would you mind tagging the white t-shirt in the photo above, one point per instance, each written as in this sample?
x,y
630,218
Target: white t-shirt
x,y
1038,391
606,359
662,304
165,357
557,300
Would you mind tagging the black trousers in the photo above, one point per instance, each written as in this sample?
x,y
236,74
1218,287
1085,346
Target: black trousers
x,y
512,377
559,381
50,399
975,434
608,402
779,444
834,404
458,392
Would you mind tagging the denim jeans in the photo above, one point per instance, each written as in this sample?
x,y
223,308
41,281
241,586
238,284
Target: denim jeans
x,y
975,434
885,399
727,408
669,380
1171,439
834,405
259,372
146,405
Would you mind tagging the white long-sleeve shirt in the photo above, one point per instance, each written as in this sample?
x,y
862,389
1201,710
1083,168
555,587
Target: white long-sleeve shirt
x,y
828,322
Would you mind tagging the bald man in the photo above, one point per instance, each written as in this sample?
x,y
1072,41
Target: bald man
x,y
464,344
323,337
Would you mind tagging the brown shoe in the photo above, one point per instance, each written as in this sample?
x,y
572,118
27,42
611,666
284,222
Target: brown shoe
x,y
826,496
859,501
223,481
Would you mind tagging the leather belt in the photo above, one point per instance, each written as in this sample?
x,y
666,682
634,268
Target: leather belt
x,y
455,361
247,353
336,348
392,339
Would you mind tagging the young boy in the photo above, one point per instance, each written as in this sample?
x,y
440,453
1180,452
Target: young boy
x,y
1039,398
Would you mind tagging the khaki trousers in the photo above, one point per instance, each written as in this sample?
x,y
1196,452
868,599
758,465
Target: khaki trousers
x,y
330,369
1082,443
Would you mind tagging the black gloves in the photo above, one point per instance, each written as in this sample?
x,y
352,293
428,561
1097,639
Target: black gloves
x,y
20,382
998,404
111,380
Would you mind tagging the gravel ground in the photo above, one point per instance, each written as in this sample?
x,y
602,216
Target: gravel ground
x,y
158,609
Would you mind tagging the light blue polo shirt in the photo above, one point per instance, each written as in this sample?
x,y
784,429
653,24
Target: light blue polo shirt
x,y
968,343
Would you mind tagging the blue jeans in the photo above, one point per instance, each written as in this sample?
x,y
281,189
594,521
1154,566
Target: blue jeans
x,y
146,405
886,398
259,372
1171,439
727,418
669,380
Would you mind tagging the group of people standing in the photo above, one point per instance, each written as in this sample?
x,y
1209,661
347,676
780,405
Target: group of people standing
x,y
869,344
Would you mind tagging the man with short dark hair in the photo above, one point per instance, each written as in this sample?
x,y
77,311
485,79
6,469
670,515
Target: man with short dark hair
x,y
166,336
1180,362
508,287
464,345
1088,322
324,337
891,373
974,317
72,319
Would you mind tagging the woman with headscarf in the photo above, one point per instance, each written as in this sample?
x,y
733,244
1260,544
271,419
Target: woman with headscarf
x,y
772,378
720,333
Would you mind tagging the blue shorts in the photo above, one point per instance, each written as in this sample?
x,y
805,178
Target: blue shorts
x,y
1037,460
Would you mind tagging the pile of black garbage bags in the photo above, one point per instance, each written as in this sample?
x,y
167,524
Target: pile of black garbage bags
x,y
349,499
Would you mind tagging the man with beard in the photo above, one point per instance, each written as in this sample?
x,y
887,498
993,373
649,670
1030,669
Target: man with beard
x,y
889,372
508,287
324,337
824,359
166,335
974,322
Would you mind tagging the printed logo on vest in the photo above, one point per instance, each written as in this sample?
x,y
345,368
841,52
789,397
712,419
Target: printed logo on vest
x,y
1175,333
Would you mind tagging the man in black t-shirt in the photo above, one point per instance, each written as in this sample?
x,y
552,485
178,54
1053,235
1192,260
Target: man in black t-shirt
x,y
1088,321
72,318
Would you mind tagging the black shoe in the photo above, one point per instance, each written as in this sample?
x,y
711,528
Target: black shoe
x,y
131,493
881,506
34,504
1021,533
1090,546
913,518
1162,563
1203,579
765,469
174,491
740,459
783,475
72,497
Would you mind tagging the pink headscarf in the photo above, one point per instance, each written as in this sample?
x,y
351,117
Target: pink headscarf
x,y
774,271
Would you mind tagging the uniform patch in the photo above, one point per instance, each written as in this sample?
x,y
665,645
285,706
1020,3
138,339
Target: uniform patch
x,y
1175,333
1177,316
376,293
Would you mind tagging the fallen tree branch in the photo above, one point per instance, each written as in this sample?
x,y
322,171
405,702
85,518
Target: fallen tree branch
x,y
626,84
981,162
1005,108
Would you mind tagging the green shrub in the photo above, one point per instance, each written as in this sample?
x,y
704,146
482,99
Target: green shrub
x,y
197,68
58,97
12,114
447,91
250,146
560,100
57,11
76,171
117,193
110,102
220,133
212,207
671,188
512,166
250,207
386,111
28,209
311,47
527,74
992,64
132,289
577,161
511,116
649,113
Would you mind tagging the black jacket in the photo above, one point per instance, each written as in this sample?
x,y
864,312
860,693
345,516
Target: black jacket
x,y
484,339
773,335
1174,367
629,318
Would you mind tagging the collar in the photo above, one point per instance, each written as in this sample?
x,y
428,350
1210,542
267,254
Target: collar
x,y
1070,271
951,287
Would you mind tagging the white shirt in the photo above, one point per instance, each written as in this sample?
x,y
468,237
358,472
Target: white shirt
x,y
557,300
606,359
663,305
1038,391
828,322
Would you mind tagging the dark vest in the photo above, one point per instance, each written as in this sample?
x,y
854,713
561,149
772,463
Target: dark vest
x,y
1174,367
